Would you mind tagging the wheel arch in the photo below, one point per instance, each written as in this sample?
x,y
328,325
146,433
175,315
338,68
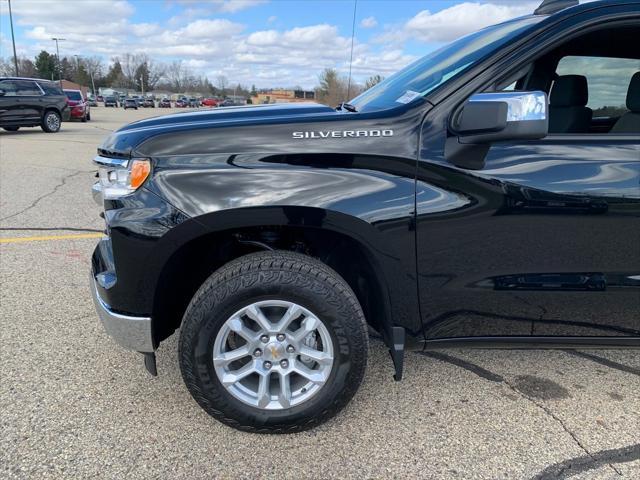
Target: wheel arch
x,y
343,242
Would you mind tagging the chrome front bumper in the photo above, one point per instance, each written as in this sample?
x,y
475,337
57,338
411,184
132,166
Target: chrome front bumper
x,y
133,333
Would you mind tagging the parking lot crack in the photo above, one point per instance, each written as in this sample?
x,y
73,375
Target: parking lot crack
x,y
43,196
560,469
560,422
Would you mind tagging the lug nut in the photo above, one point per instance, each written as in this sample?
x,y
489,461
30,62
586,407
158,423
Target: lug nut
x,y
264,339
291,349
267,365
284,363
257,352
280,337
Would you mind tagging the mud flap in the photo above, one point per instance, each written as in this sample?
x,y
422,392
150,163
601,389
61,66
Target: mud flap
x,y
397,351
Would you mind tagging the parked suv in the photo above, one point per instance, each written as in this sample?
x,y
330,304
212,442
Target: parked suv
x,y
484,196
29,102
130,103
110,101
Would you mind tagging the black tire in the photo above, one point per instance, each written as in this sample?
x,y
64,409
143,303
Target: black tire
x,y
50,125
84,118
268,276
11,129
88,117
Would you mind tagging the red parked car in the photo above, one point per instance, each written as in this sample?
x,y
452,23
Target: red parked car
x,y
77,103
209,102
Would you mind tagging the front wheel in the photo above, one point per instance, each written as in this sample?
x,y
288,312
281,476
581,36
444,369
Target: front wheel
x,y
51,122
273,342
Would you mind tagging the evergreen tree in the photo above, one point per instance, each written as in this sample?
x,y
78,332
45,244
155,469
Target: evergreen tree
x,y
46,65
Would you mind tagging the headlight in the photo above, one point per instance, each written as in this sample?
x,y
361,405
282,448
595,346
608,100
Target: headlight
x,y
120,177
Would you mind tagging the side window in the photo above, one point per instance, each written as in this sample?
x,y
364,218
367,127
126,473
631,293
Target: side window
x,y
27,88
50,88
9,88
608,80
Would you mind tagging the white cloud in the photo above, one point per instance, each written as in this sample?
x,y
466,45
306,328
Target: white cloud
x,y
232,6
145,29
454,22
36,11
369,22
210,29
217,6
272,19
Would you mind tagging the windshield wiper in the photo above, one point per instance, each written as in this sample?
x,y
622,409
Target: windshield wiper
x,y
346,106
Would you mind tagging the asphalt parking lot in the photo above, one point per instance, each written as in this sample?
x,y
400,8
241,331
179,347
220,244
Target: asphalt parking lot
x,y
75,405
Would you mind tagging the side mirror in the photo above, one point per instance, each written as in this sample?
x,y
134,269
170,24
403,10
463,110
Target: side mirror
x,y
495,117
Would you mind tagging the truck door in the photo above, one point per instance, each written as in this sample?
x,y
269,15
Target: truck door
x,y
544,239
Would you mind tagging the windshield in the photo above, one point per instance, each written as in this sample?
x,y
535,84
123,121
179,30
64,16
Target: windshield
x,y
431,71
73,95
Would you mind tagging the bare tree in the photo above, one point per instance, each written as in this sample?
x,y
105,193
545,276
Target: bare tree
x,y
373,80
7,68
156,71
333,88
26,67
94,65
222,82
177,75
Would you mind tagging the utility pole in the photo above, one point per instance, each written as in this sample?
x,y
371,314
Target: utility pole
x,y
13,40
56,39
93,84
90,70
142,84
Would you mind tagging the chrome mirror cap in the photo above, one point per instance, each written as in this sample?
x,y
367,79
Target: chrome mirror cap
x,y
521,106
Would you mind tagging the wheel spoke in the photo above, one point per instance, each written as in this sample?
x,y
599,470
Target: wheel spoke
x,y
231,356
309,324
323,358
233,376
264,396
316,376
237,326
290,315
284,396
255,314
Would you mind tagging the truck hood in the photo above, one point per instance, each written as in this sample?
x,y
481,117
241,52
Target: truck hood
x,y
226,114
123,141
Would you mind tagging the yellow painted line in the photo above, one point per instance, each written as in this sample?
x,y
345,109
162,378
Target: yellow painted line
x,y
50,237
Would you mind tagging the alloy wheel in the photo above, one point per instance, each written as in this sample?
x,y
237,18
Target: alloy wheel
x,y
273,354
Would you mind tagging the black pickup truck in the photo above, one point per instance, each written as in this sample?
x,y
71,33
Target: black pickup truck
x,y
478,198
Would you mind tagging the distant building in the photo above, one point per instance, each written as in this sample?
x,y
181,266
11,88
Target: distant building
x,y
281,95
69,85
106,92
237,98
160,93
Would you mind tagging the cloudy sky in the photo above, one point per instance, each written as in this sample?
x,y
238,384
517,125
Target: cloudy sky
x,y
266,43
